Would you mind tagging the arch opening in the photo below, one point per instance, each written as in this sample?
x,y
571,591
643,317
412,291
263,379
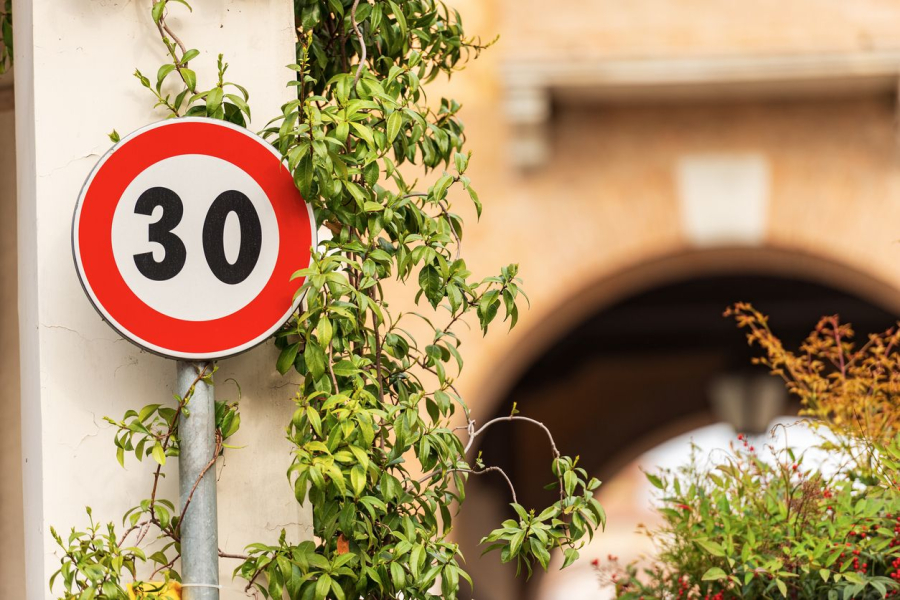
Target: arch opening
x,y
649,365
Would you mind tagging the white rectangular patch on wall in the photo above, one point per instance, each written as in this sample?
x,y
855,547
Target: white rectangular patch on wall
x,y
723,198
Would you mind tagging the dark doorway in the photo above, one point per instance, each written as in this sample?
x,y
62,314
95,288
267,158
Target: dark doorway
x,y
639,367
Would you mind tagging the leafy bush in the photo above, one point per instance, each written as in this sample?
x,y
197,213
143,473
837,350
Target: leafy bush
x,y
747,527
757,523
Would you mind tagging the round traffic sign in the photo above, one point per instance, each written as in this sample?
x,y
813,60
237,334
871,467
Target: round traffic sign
x,y
185,237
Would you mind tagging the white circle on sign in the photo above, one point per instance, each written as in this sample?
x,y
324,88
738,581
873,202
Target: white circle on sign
x,y
194,293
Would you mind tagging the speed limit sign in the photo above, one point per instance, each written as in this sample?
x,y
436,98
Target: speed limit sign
x,y
186,235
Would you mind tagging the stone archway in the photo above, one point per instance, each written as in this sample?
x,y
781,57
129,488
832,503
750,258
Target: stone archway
x,y
627,362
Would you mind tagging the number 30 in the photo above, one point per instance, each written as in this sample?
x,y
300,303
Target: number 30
x,y
175,256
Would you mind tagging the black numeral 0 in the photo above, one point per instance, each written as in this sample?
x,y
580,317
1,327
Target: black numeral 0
x,y
214,237
173,261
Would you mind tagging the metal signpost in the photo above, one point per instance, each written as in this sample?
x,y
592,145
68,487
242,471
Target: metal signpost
x,y
185,237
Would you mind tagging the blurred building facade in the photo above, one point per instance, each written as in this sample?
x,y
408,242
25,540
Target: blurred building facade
x,y
645,162
649,163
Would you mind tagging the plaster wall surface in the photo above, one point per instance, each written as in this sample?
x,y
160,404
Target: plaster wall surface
x,y
11,537
74,85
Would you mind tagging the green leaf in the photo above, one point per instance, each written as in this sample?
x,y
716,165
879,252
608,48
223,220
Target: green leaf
x,y
324,331
462,161
394,122
358,479
714,574
475,200
157,10
214,100
314,357
159,455
163,73
322,586
440,188
654,481
365,133
314,419
430,283
712,547
401,18
571,555
303,175
287,357
190,79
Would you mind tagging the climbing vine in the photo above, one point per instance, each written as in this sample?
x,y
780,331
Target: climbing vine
x,y
382,439
6,36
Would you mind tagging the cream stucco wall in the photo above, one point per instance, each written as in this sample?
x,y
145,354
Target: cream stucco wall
x,y
74,65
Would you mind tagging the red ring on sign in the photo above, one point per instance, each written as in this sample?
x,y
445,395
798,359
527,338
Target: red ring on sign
x,y
139,321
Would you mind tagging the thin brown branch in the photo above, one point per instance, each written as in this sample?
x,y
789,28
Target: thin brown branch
x,y
165,566
474,433
252,579
487,425
378,352
512,489
209,465
331,366
165,30
165,444
130,530
362,43
452,229
143,533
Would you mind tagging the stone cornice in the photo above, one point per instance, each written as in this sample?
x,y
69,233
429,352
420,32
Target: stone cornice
x,y
531,85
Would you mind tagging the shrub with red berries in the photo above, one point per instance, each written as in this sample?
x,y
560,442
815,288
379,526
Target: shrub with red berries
x,y
764,527
753,526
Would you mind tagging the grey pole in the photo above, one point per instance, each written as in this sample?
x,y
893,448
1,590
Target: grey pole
x,y
199,529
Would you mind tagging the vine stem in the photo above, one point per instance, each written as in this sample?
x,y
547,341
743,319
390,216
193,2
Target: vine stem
x,y
165,444
452,229
209,465
168,565
474,433
362,43
512,489
378,352
164,30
